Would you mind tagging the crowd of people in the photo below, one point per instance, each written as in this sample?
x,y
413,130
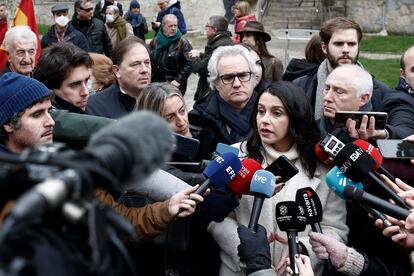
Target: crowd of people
x,y
96,69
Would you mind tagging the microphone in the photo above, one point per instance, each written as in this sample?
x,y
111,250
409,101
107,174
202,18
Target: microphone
x,y
376,155
309,199
220,171
290,217
355,194
357,165
336,181
240,185
223,148
322,156
262,186
128,149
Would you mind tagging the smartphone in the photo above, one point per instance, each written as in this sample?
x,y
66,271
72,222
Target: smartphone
x,y
282,167
342,116
186,146
396,149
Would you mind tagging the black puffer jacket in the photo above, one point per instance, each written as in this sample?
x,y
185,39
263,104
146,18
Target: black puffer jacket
x,y
95,32
71,35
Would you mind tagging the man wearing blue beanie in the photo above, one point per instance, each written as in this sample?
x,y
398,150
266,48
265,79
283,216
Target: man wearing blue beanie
x,y
24,113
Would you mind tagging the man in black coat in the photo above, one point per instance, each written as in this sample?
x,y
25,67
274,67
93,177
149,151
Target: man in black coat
x,y
132,68
406,83
93,29
217,35
169,55
340,42
62,31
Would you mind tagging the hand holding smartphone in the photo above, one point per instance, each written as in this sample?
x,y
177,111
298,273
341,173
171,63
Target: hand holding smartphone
x,y
342,116
282,167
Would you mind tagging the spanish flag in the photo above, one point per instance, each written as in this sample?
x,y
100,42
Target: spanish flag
x,y
3,56
25,16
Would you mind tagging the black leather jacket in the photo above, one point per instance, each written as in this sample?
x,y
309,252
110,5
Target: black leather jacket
x,y
173,62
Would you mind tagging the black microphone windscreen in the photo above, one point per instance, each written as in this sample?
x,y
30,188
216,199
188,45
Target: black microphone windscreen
x,y
142,141
290,216
309,200
354,162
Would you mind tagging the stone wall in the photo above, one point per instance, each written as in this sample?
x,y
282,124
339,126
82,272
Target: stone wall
x,y
398,19
196,12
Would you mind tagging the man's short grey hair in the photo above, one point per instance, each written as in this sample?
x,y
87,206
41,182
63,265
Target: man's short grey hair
x,y
168,17
225,51
219,22
18,33
360,79
114,8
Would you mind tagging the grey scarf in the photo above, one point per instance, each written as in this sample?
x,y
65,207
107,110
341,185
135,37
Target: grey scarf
x,y
322,75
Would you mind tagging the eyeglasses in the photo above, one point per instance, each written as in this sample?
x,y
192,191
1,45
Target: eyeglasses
x,y
208,26
87,10
229,78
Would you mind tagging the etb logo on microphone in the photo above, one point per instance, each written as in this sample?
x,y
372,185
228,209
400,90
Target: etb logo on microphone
x,y
357,153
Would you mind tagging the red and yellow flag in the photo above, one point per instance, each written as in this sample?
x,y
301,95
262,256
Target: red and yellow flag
x,y
25,16
3,56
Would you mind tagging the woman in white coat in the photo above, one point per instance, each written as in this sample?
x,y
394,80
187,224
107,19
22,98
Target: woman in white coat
x,y
282,123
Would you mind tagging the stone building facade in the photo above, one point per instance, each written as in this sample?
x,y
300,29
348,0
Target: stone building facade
x,y
395,16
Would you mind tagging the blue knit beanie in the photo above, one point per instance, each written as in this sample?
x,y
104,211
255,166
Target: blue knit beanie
x,y
134,4
17,92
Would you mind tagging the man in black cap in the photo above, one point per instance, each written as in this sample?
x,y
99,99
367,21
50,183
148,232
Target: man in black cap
x,y
61,31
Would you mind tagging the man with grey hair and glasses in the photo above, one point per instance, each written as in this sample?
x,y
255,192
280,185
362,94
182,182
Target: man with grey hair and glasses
x,y
226,111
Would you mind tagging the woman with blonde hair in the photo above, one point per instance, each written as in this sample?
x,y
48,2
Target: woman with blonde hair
x,y
101,73
242,13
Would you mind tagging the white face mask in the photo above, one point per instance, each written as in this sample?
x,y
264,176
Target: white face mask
x,y
109,18
62,21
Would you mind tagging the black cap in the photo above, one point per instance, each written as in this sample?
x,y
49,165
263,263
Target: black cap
x,y
59,7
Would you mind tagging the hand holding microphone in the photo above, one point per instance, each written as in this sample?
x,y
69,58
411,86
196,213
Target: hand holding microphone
x,y
328,248
185,201
254,249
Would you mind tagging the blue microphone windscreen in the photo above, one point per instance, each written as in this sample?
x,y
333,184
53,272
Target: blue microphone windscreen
x,y
223,148
263,182
337,180
222,169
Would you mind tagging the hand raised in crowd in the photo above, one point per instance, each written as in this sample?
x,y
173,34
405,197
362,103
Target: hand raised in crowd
x,y
281,266
326,247
366,129
184,200
175,83
304,266
194,54
402,189
398,232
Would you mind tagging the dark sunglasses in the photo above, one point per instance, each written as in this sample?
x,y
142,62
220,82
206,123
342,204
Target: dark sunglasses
x,y
87,10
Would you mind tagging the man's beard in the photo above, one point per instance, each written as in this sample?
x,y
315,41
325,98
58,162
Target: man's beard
x,y
333,61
